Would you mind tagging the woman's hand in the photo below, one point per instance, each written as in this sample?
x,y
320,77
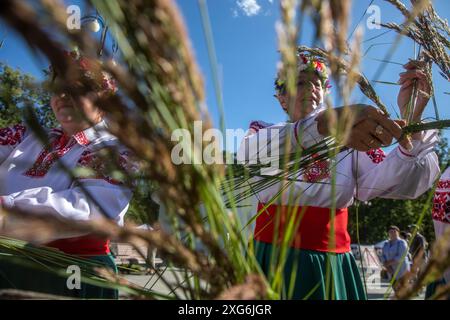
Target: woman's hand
x,y
415,73
371,128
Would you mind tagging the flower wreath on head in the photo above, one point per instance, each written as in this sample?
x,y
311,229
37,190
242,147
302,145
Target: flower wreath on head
x,y
306,63
89,71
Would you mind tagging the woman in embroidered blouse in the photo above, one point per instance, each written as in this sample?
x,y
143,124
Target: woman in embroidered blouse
x,y
32,181
319,256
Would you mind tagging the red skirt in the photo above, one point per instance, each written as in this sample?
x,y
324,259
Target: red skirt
x,y
314,227
84,246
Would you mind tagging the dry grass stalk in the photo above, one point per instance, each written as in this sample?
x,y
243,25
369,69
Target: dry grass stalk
x,y
340,11
253,288
343,128
287,31
426,28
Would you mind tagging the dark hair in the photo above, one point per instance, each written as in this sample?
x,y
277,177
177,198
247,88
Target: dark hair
x,y
413,226
394,228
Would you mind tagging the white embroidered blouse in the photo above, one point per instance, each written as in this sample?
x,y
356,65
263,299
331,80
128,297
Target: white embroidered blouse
x,y
32,179
400,174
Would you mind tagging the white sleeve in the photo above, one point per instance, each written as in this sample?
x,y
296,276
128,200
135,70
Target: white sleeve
x,y
399,175
92,196
10,137
267,144
75,203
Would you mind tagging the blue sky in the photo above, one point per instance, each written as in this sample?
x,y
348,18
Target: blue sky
x,y
246,46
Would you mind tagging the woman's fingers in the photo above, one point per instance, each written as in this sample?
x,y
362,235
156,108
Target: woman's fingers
x,y
413,74
415,77
424,86
405,82
356,139
372,129
414,64
407,86
365,133
382,134
394,129
405,142
400,122
370,141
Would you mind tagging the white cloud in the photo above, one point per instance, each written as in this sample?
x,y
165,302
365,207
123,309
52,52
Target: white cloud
x,y
249,7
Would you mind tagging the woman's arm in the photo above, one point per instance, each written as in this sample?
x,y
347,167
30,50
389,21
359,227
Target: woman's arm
x,y
362,133
316,126
265,145
404,174
401,174
90,200
89,197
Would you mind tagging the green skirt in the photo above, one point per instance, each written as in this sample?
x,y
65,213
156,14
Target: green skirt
x,y
17,275
315,275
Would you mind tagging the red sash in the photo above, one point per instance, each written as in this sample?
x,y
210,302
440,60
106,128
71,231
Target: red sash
x,y
84,246
313,232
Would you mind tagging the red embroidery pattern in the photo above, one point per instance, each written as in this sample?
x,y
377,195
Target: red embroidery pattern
x,y
317,171
12,136
443,184
376,155
81,138
441,207
92,161
58,148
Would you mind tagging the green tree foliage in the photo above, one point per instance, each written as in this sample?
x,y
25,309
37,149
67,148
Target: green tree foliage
x,y
17,90
143,210
442,153
375,216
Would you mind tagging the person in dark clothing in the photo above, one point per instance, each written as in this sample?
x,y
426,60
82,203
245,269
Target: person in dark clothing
x,y
405,235
418,248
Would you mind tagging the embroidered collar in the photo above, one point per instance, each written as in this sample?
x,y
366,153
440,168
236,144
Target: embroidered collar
x,y
86,136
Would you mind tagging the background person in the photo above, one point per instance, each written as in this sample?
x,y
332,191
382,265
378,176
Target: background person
x,y
395,256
